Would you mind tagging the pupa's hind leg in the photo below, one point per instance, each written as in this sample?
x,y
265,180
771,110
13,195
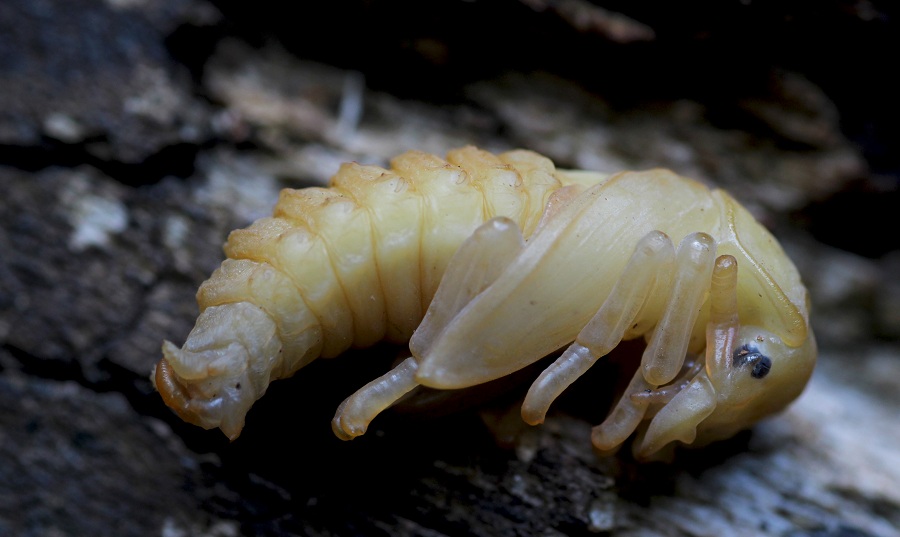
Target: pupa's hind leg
x,y
357,411
477,263
653,257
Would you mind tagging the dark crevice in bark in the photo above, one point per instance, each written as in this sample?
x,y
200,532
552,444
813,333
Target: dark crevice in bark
x,y
177,160
47,368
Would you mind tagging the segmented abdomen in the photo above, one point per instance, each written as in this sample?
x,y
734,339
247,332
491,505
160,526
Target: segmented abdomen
x,y
359,262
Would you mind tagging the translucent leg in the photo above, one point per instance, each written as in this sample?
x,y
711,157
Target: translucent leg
x,y
652,256
664,356
624,418
679,418
477,263
724,325
357,411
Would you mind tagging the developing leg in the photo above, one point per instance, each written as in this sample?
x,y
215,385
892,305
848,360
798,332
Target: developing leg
x,y
477,263
664,356
665,353
653,256
357,411
679,418
624,418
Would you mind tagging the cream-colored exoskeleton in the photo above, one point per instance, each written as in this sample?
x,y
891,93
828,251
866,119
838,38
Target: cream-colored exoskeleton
x,y
542,260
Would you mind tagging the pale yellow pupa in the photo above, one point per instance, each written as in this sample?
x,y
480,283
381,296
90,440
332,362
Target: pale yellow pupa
x,y
542,260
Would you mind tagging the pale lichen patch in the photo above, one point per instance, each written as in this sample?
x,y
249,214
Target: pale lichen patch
x,y
239,185
94,217
64,128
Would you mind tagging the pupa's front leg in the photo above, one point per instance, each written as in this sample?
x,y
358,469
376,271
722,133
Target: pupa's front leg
x,y
653,268
697,399
477,264
664,357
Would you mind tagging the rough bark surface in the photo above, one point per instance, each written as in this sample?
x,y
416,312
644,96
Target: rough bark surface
x,y
134,135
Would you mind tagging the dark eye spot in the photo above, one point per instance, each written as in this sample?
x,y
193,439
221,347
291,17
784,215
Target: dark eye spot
x,y
762,367
749,356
